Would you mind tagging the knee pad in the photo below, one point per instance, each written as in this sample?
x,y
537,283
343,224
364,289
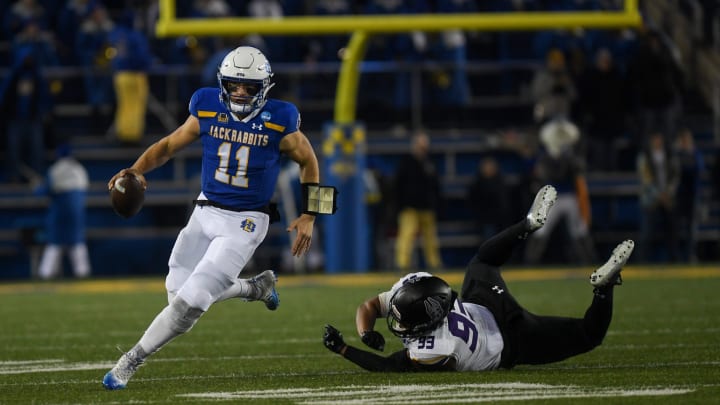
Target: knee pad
x,y
203,288
182,315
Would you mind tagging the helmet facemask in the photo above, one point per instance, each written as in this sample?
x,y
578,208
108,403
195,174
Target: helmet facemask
x,y
245,66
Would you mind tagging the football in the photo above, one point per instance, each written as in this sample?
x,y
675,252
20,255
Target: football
x,y
127,196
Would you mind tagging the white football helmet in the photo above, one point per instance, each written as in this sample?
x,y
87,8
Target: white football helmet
x,y
246,65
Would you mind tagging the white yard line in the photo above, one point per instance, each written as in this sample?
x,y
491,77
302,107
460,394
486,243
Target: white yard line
x,y
424,394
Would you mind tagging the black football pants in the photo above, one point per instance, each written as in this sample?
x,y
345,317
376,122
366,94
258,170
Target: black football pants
x,y
530,338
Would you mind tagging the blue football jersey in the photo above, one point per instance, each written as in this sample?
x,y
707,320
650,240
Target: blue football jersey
x,y
241,159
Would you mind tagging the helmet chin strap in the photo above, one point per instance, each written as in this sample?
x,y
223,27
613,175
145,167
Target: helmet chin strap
x,y
241,108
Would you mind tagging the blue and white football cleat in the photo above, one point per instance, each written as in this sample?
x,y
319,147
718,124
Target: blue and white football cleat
x,y
118,377
265,282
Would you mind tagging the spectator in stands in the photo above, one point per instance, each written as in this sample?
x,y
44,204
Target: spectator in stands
x,y
452,87
553,88
562,166
20,13
691,164
66,185
281,48
715,175
489,198
209,70
659,174
601,102
210,8
69,19
40,43
130,63
25,106
200,52
404,49
325,48
710,23
417,191
91,49
656,82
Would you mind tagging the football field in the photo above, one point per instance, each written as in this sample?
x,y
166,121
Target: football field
x,y
58,339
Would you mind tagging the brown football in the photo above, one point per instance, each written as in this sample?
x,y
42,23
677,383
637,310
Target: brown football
x,y
127,196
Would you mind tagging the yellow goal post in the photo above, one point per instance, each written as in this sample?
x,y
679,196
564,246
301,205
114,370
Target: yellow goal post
x,y
362,26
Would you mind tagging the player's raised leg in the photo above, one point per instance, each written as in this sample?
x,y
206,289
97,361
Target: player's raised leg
x,y
609,273
264,289
538,213
497,250
258,288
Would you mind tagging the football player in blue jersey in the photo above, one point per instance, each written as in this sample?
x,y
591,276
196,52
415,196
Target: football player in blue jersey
x,y
243,134
484,328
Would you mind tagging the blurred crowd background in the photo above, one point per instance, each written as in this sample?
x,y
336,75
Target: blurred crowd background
x,y
625,123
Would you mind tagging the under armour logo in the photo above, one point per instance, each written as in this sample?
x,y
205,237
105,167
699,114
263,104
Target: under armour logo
x,y
257,126
498,290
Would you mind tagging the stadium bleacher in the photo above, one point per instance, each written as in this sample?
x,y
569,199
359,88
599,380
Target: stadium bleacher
x,y
499,101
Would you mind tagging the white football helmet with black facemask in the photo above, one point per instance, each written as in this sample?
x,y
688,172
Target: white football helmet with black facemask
x,y
245,66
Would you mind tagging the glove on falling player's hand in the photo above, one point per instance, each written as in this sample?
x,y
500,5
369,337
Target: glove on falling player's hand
x,y
373,339
333,340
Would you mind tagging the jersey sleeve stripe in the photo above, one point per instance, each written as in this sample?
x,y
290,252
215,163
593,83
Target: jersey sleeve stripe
x,y
276,127
206,114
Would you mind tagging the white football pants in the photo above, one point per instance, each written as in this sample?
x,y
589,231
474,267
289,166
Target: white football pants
x,y
211,251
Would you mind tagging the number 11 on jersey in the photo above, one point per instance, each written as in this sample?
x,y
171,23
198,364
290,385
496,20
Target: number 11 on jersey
x,y
239,179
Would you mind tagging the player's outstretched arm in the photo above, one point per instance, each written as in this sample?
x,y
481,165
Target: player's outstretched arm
x,y
161,151
398,361
298,148
365,316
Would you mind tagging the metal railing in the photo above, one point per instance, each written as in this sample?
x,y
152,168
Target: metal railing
x,y
171,86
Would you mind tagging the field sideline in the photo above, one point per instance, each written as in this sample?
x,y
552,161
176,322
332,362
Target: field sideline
x,y
59,338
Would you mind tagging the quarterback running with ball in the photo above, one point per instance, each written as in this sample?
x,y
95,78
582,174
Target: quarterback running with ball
x,y
483,328
243,135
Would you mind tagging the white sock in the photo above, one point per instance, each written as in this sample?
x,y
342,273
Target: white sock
x,y
241,288
159,333
80,260
174,320
50,262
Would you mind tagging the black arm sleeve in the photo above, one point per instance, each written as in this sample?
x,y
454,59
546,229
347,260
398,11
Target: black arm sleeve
x,y
397,361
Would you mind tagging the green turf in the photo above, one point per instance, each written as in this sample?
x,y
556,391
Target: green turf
x,y
57,343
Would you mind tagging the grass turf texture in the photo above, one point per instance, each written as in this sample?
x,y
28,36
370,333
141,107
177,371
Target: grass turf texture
x,y
58,339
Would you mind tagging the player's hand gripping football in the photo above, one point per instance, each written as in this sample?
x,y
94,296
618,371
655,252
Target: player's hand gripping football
x,y
333,339
122,173
373,339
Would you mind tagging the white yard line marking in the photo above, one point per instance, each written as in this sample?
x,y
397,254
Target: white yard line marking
x,y
55,365
60,365
417,394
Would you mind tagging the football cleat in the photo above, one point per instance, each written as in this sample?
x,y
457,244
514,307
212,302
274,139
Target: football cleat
x,y
609,273
265,283
118,377
544,200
